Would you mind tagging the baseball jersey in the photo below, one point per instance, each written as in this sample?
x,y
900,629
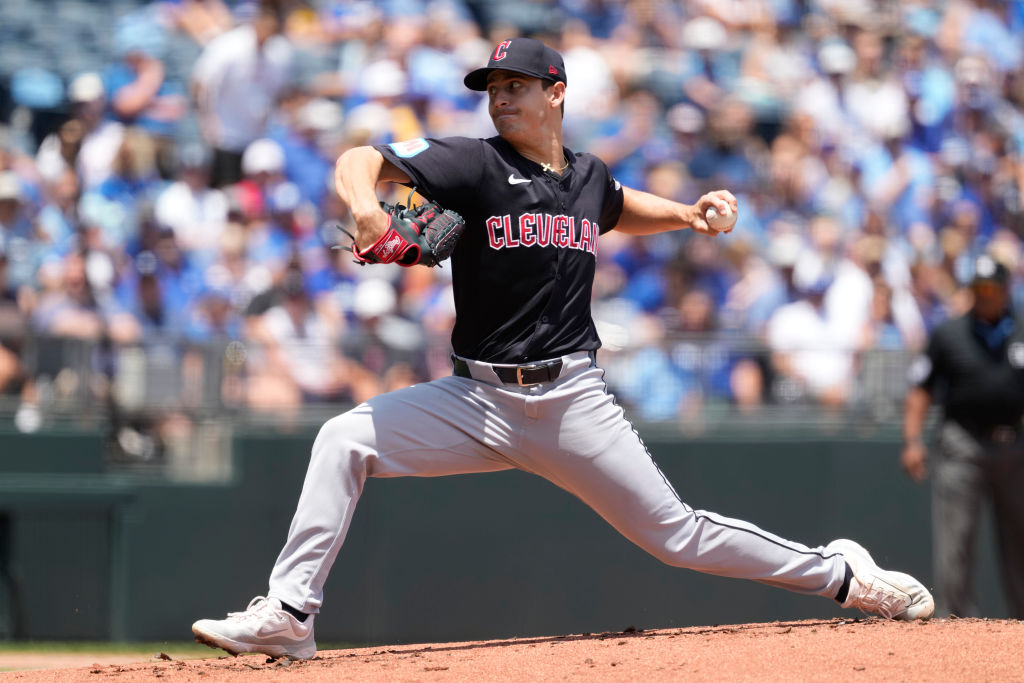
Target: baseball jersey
x,y
523,270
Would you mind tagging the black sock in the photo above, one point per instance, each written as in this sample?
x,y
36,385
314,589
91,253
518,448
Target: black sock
x,y
301,616
845,589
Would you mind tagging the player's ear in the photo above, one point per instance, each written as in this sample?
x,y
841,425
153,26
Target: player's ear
x,y
556,94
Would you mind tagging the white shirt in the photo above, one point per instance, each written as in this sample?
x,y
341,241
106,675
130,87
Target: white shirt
x,y
97,154
309,353
819,356
197,218
239,85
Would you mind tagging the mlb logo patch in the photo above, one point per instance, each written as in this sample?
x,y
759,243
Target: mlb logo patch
x,y
409,148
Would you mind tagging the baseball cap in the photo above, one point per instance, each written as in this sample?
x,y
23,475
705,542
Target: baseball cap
x,y
704,33
987,269
521,55
194,155
836,57
320,114
810,275
262,156
86,88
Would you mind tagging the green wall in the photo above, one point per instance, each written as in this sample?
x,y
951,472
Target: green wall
x,y
473,556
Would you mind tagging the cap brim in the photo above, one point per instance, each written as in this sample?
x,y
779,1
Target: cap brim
x,y
477,79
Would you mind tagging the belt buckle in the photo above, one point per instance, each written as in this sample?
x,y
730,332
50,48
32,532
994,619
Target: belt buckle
x,y
519,374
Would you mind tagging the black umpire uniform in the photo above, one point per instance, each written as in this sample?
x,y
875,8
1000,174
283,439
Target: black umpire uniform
x,y
974,366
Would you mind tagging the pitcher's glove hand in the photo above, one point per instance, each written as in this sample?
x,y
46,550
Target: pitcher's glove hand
x,y
422,235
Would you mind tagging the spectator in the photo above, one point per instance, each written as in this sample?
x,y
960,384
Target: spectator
x,y
21,244
130,186
268,243
310,147
263,166
811,360
58,219
382,116
148,311
386,347
885,329
140,92
710,65
58,152
72,310
700,353
196,213
202,20
12,333
651,385
236,82
101,137
875,99
211,316
634,138
300,361
824,98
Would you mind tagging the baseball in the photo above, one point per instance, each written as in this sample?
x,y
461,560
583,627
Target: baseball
x,y
720,221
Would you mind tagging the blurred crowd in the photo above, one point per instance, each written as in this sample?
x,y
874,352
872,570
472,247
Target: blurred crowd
x,y
170,188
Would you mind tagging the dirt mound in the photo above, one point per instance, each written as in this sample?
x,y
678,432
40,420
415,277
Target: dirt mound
x,y
838,649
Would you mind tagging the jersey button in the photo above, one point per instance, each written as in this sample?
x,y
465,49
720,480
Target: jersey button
x,y
543,318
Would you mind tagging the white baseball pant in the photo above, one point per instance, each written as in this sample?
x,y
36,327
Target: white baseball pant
x,y
569,431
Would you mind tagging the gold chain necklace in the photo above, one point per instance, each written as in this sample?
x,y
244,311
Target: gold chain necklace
x,y
551,169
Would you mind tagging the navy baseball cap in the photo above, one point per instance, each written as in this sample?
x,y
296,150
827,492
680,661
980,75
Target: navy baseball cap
x,y
522,55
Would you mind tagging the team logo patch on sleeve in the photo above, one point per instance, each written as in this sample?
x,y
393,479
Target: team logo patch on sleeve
x,y
409,148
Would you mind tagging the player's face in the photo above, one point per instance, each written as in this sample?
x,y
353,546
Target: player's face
x,y
990,300
519,105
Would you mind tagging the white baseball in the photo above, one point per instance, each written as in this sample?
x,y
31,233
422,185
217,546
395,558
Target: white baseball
x,y
720,221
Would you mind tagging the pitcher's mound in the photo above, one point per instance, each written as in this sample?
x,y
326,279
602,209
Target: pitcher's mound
x,y
867,649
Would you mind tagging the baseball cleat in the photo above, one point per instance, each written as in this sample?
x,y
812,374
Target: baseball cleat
x,y
263,627
893,595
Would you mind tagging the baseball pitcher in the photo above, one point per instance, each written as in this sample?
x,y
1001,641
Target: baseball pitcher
x,y
522,216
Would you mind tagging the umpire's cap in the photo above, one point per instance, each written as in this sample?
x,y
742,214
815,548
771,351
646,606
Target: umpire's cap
x,y
522,55
987,269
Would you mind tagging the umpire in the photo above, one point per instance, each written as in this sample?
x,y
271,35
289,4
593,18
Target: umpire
x,y
974,365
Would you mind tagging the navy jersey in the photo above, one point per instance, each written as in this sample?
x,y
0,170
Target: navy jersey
x,y
523,270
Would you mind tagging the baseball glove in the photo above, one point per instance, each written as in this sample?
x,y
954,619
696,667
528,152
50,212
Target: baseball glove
x,y
421,235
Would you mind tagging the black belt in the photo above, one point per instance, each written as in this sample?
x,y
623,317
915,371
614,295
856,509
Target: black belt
x,y
522,375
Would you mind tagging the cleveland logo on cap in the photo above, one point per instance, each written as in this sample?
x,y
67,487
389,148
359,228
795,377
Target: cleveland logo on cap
x,y
520,55
500,51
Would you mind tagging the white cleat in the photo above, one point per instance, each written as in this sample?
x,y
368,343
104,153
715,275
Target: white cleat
x,y
893,595
263,627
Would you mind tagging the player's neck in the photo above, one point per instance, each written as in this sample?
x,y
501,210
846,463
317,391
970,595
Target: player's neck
x,y
551,156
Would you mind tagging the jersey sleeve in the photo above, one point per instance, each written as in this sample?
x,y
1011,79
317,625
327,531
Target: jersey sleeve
x,y
441,169
611,207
